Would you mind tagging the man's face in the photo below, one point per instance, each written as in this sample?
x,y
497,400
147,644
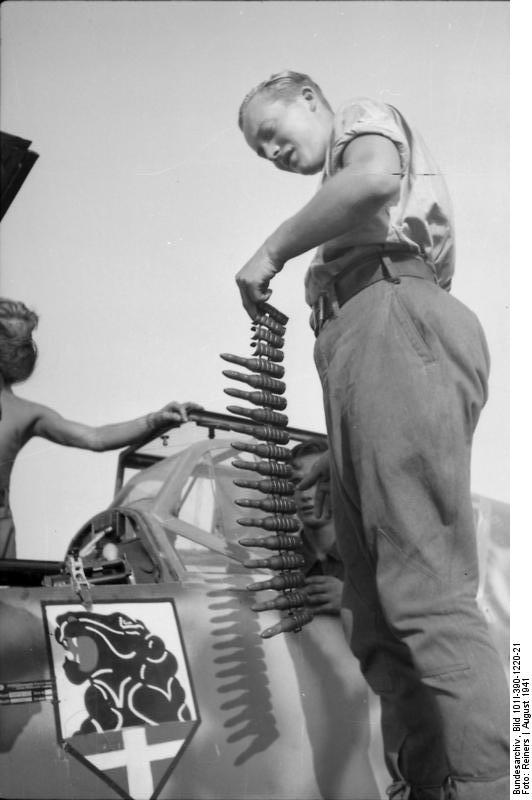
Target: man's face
x,y
305,500
292,134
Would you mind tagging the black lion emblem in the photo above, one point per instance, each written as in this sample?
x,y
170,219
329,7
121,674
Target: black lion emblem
x,y
131,674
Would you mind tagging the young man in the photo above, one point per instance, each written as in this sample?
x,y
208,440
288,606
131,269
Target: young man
x,y
22,419
404,370
323,568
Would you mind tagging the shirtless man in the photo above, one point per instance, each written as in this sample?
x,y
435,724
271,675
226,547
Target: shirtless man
x,y
22,419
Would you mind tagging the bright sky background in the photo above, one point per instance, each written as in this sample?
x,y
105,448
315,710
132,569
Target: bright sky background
x,y
145,201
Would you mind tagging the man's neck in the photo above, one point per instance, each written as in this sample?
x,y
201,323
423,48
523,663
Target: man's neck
x,y
5,387
318,542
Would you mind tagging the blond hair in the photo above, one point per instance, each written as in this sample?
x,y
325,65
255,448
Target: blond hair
x,y
18,351
285,85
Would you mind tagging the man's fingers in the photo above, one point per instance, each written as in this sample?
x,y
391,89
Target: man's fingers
x,y
308,480
171,417
193,406
182,411
318,503
315,579
316,598
251,308
318,589
323,506
322,500
260,295
253,295
178,412
248,302
306,483
319,472
327,608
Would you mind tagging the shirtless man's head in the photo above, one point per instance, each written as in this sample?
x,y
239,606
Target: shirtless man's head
x,y
18,351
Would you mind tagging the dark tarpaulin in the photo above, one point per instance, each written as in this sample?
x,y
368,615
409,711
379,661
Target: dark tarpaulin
x,y
16,162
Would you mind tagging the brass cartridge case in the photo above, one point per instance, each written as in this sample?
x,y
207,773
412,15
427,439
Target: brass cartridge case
x,y
267,432
261,365
257,381
277,522
279,505
285,580
259,398
283,561
293,622
272,353
265,467
280,541
267,485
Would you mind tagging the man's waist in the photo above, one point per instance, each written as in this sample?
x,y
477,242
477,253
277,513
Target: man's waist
x,y
383,265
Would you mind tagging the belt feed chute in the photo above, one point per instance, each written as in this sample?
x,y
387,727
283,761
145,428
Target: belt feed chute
x,y
270,461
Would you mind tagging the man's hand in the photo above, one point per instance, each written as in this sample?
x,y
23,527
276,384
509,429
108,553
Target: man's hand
x,y
172,413
319,474
254,278
324,594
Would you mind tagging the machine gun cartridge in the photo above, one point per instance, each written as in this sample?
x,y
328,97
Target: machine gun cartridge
x,y
267,485
293,622
283,561
285,580
267,432
277,522
282,602
259,398
279,505
261,415
264,451
265,467
274,313
255,364
281,541
263,334
257,381
272,353
269,323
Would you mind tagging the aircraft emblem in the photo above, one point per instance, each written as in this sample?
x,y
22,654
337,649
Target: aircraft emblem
x,y
125,706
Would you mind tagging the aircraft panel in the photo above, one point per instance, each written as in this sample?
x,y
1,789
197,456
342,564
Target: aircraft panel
x,y
263,721
234,716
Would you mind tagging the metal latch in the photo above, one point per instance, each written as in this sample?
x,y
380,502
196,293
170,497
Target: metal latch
x,y
74,567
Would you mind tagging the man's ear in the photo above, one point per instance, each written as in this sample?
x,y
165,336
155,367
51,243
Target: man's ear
x,y
309,95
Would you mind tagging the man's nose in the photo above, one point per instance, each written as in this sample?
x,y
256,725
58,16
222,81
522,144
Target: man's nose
x,y
272,150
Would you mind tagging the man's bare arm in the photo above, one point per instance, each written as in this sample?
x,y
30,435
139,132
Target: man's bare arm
x,y
52,426
370,178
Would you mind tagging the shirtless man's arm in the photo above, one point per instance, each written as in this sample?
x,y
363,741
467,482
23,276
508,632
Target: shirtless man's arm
x,y
49,424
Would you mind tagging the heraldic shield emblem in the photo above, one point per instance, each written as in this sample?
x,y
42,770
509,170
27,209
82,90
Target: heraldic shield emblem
x,y
126,705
